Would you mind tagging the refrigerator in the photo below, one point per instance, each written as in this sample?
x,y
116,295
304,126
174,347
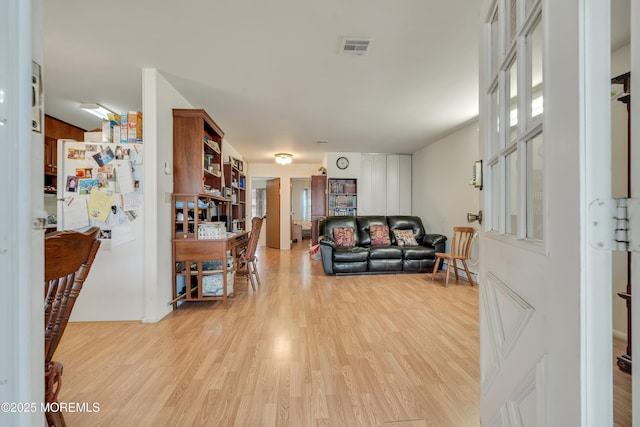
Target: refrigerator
x,y
100,184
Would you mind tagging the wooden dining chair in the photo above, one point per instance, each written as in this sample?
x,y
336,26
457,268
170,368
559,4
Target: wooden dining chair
x,y
68,256
460,248
247,262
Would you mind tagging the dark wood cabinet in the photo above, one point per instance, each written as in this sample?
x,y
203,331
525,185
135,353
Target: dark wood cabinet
x,y
197,153
318,203
54,130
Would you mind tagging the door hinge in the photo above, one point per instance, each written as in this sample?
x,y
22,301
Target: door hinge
x,y
613,224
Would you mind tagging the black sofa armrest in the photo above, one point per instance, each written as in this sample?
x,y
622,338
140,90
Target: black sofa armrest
x,y
436,241
327,241
327,246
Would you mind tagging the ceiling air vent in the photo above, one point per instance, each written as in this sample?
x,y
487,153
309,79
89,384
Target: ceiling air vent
x,y
355,46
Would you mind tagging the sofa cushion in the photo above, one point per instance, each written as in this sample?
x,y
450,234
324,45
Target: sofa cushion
x,y
343,236
353,254
405,238
382,265
350,267
418,252
379,235
385,252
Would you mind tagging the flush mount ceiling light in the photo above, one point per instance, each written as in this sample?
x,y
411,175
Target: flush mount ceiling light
x,y
283,158
97,110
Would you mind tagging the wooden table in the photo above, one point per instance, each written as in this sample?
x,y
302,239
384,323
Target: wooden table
x,y
188,251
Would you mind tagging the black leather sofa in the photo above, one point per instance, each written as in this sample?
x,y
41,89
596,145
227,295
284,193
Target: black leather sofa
x,y
365,258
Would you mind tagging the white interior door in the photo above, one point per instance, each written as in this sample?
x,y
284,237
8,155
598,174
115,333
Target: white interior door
x,y
545,324
21,204
635,193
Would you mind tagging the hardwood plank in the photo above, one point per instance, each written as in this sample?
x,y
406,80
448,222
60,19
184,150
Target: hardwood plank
x,y
303,350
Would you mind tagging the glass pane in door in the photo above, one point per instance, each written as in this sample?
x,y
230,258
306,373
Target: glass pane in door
x,y
535,188
511,193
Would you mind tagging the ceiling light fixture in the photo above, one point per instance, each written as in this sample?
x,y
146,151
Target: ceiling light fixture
x,y
97,110
283,158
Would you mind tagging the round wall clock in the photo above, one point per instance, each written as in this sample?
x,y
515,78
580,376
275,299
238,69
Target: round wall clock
x,y
342,163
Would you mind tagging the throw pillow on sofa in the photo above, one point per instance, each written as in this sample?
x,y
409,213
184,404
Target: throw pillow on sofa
x,y
405,238
343,236
379,235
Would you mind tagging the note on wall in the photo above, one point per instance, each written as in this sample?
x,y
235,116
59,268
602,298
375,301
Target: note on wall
x,y
124,176
75,213
99,205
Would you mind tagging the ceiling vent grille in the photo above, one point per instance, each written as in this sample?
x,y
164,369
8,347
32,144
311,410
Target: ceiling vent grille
x,y
355,46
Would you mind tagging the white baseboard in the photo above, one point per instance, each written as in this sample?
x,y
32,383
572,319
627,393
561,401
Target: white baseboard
x,y
618,334
474,276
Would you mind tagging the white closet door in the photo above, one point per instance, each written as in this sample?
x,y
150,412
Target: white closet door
x,y
404,185
398,184
372,185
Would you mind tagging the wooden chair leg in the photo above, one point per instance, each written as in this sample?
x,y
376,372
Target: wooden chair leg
x,y
250,276
255,270
466,269
455,269
55,419
446,280
435,268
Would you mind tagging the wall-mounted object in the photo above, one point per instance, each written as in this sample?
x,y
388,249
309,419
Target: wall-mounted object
x,y
471,217
476,177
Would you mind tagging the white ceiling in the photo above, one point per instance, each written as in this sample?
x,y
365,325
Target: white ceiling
x,y
269,73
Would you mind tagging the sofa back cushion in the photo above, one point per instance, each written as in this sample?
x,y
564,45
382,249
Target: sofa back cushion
x,y
406,222
364,224
327,225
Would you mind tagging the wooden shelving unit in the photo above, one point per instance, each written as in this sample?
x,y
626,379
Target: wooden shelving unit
x,y
197,201
235,180
343,196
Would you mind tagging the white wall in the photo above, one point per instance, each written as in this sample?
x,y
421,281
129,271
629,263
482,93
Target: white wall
x,y
159,99
285,173
620,64
441,193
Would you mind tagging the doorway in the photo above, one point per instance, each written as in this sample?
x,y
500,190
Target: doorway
x,y
300,209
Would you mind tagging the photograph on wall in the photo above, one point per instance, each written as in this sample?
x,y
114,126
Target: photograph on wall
x,y
122,153
72,184
86,185
75,154
107,171
104,156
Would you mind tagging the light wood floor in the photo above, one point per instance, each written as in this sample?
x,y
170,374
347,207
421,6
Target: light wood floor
x,y
303,350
